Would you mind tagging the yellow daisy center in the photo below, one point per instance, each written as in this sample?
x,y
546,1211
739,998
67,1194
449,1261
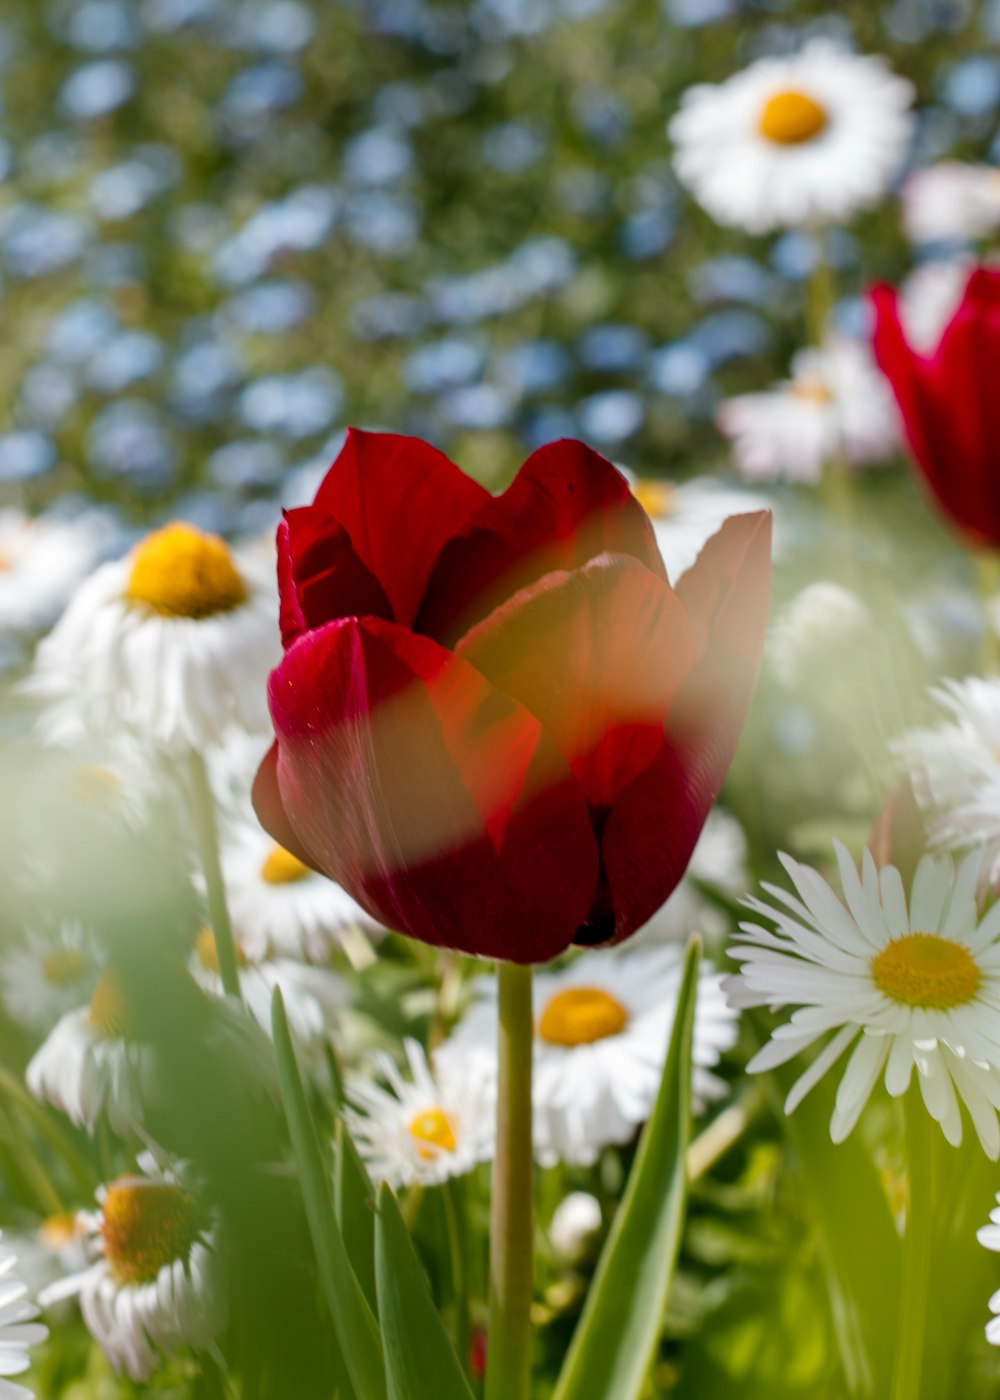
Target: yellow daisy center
x,y
792,118
208,954
432,1131
5,562
94,784
63,967
282,868
110,1013
812,390
655,497
923,969
180,571
581,1015
58,1231
145,1226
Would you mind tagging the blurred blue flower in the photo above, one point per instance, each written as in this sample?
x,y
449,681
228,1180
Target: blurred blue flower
x,y
647,232
534,367
258,92
444,364
695,14
169,15
732,278
80,330
972,87
25,455
385,223
247,464
120,191
478,407
387,315
300,221
610,417
129,358
128,440
513,147
38,241
376,157
276,26
679,370
548,424
48,392
101,26
602,114
731,335
612,349
97,88
292,405
271,308
203,376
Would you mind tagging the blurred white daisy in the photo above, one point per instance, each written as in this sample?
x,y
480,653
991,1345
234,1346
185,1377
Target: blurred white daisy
x,y
836,408
951,202
154,1285
173,643
796,140
576,1222
279,905
931,294
907,983
602,1027
687,514
720,860
42,559
822,619
48,973
989,1237
425,1129
954,768
18,1329
93,1063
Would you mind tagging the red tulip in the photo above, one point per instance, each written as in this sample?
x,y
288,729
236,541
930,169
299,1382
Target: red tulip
x,y
498,726
950,403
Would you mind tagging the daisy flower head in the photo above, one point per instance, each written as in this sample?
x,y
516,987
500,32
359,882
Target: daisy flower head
x,y
172,643
430,1127
42,559
836,407
989,1237
685,515
18,1329
153,1284
93,1062
909,983
48,973
951,202
602,1027
824,619
954,767
280,905
803,139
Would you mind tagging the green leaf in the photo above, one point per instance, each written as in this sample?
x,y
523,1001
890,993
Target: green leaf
x,y
420,1361
354,1203
356,1328
617,1336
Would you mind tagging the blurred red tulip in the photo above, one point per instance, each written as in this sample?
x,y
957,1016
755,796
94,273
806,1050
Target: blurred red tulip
x,y
498,726
951,405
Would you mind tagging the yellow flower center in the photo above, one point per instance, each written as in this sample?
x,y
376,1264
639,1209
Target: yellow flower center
x,y
655,497
180,571
95,784
433,1132
145,1226
282,868
813,390
581,1015
208,954
59,1231
5,562
110,1013
923,969
63,967
791,118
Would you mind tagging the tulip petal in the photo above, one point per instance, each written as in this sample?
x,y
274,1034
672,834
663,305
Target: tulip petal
x,y
270,808
399,499
566,505
654,825
597,655
440,804
320,577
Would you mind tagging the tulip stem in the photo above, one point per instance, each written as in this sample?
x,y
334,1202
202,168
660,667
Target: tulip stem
x,y
908,1367
988,580
508,1360
207,836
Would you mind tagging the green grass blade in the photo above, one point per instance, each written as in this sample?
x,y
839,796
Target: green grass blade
x,y
356,1328
354,1203
419,1358
617,1336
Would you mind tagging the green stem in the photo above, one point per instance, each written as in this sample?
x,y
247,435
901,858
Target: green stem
x,y
988,581
455,1224
508,1364
207,835
50,1129
910,1341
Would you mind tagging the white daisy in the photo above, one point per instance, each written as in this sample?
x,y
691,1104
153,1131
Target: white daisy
x,y
955,769
313,996
602,1027
823,618
951,202
173,643
93,1063
49,973
802,139
906,982
437,1124
42,559
686,515
719,859
836,408
576,1221
154,1286
279,905
989,1237
18,1330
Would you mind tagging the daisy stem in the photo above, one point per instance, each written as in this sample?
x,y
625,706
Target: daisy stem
x,y
988,581
912,1325
508,1361
207,836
